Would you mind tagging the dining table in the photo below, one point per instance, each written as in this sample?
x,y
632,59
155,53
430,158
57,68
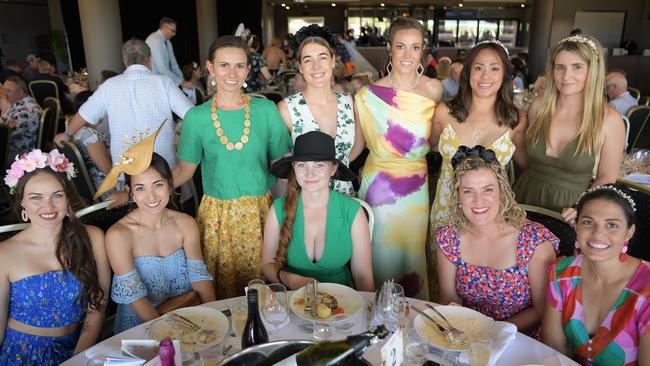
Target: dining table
x,y
522,350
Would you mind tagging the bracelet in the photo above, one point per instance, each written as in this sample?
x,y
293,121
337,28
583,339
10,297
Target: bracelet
x,y
277,274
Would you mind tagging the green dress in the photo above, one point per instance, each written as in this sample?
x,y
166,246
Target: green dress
x,y
333,264
554,183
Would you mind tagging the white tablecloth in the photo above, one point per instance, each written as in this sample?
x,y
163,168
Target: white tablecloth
x,y
522,351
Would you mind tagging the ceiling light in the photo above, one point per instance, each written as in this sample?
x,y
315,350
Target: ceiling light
x,y
333,4
523,5
288,7
460,5
382,4
283,5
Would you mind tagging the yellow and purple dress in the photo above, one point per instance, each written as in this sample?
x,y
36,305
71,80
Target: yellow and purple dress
x,y
396,125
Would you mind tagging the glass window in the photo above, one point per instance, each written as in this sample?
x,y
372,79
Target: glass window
x,y
447,33
508,32
295,23
487,29
466,33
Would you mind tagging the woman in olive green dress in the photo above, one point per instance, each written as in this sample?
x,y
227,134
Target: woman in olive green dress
x,y
575,139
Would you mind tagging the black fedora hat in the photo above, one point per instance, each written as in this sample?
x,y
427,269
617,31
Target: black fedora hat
x,y
312,146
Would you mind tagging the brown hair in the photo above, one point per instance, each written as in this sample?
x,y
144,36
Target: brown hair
x,y
313,39
159,164
505,109
403,23
509,212
286,230
74,250
229,42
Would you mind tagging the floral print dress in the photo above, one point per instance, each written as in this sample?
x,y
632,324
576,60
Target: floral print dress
x,y
303,121
27,115
616,341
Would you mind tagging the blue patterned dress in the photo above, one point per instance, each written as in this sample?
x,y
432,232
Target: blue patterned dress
x,y
46,300
157,279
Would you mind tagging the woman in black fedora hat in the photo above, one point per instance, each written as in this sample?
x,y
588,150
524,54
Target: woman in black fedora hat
x,y
315,231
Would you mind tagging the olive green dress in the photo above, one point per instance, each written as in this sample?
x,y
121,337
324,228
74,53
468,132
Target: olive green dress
x,y
554,183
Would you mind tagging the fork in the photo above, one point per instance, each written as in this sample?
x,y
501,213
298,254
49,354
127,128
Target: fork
x,y
181,320
457,332
451,337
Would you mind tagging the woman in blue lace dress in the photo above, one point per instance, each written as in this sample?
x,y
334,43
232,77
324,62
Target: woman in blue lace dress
x,y
54,273
154,251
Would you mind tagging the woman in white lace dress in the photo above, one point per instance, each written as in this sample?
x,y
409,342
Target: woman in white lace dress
x,y
318,107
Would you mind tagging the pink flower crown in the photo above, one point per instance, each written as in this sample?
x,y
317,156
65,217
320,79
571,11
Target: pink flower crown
x,y
36,159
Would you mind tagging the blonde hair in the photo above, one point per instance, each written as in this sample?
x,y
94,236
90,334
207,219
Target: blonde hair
x,y
593,113
509,212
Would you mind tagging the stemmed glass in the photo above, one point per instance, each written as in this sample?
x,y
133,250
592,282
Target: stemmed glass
x,y
275,308
391,304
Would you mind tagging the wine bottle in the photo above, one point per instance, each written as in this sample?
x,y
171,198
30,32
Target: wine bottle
x,y
254,330
336,353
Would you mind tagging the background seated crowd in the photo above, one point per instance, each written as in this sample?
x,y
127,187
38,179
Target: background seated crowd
x,y
334,135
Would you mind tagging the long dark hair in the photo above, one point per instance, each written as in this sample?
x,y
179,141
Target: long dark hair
x,y
161,166
505,109
74,250
611,196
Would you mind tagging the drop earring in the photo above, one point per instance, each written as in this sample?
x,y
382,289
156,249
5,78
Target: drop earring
x,y
23,215
576,249
389,66
420,69
245,85
212,82
623,256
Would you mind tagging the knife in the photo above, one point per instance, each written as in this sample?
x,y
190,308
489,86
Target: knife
x,y
314,300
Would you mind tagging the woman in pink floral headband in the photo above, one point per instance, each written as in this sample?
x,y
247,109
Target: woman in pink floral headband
x,y
54,273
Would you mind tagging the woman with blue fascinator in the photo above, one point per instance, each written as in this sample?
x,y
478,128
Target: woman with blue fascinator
x,y
490,258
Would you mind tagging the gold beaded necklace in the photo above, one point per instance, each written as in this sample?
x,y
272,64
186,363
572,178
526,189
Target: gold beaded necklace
x,y
247,124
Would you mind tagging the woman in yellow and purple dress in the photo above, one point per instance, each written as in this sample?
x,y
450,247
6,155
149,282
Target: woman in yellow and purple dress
x,y
395,117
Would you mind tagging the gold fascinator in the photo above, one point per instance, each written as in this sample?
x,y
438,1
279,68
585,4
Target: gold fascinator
x,y
133,161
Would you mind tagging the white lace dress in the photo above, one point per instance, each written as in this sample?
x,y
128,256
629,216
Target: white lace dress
x,y
303,121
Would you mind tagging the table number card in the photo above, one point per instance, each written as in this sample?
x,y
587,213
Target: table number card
x,y
392,352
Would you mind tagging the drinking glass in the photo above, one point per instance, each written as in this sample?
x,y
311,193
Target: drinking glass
x,y
391,305
275,308
479,351
260,286
238,316
322,331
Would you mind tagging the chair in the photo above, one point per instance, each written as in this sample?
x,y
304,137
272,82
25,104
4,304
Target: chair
x,y
273,96
627,130
645,100
41,127
82,182
41,89
4,146
553,221
51,127
638,246
286,80
369,214
103,218
638,116
96,207
257,95
636,93
7,231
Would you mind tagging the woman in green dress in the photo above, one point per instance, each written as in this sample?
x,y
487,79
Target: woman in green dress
x,y
314,232
235,138
575,138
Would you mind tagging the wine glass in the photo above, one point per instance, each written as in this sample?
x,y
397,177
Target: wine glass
x,y
275,308
391,305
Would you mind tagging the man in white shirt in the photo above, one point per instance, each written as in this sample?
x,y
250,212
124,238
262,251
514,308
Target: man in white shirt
x,y
619,97
135,102
450,84
162,53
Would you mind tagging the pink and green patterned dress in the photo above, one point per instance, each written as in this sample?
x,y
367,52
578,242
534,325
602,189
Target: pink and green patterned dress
x,y
616,341
396,125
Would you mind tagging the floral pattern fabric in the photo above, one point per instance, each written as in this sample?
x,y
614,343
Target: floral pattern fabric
x,y
303,121
157,279
231,240
27,115
616,341
497,293
253,81
46,300
396,125
82,138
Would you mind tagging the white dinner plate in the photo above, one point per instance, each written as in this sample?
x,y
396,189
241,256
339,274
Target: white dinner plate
x,y
347,298
471,322
205,317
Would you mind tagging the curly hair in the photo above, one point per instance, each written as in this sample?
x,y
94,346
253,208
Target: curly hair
x,y
509,212
313,31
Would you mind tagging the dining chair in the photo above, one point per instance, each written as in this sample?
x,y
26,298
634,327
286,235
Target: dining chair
x,y
7,231
626,121
40,89
636,93
638,245
638,117
274,96
552,220
82,181
5,132
369,214
257,95
40,139
90,209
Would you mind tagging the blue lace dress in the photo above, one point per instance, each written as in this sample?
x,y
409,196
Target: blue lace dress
x,y
46,300
157,278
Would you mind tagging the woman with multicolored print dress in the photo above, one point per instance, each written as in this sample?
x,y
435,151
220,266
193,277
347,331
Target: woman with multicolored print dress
x,y
395,117
598,302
